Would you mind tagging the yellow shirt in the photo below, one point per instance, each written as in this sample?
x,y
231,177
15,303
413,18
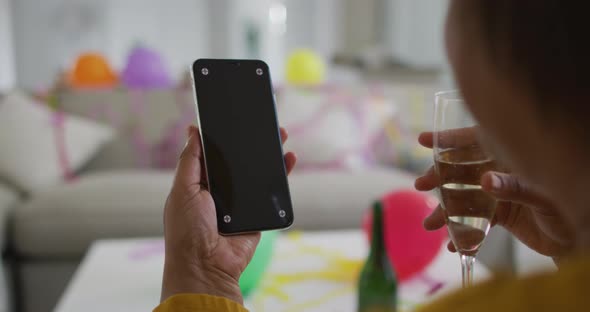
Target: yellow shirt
x,y
199,302
566,290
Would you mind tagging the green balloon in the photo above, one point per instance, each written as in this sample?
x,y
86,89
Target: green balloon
x,y
255,270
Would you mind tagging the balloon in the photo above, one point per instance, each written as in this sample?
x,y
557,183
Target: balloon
x,y
145,69
304,67
410,248
92,70
251,276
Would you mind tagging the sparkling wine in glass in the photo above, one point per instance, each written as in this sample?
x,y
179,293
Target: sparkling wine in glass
x,y
459,163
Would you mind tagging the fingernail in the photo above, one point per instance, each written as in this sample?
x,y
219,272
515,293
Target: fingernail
x,y
190,135
496,182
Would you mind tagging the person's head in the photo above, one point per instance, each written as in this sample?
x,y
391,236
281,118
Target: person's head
x,y
523,68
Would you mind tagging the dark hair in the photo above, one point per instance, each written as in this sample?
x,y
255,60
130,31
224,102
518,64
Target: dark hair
x,y
545,42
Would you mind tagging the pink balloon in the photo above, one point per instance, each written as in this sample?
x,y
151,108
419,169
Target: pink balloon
x,y
409,246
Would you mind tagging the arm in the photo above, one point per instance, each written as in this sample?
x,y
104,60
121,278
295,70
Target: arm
x,y
196,302
201,267
561,291
528,214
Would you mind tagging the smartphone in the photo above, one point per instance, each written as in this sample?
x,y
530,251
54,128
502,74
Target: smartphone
x,y
242,147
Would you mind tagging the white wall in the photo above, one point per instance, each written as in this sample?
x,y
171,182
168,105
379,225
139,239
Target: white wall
x,y
328,33
415,29
48,35
310,24
219,45
6,46
239,14
300,23
359,28
314,24
42,45
178,29
47,38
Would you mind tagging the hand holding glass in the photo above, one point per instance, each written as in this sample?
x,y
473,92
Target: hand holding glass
x,y
459,163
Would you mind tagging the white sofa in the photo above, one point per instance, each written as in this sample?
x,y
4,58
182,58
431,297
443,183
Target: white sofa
x,y
9,198
53,230
113,197
50,232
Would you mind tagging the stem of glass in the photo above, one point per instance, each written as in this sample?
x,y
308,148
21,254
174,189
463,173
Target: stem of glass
x,y
467,264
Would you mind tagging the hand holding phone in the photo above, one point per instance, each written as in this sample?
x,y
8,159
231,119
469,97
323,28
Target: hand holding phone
x,y
243,155
198,258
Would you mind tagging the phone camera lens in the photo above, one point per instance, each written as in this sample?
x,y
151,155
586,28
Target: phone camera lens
x,y
259,71
205,71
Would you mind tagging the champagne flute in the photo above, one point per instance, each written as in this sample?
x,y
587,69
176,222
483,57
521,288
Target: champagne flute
x,y
459,163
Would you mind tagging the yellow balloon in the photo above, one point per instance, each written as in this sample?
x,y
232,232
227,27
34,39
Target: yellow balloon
x,y
304,67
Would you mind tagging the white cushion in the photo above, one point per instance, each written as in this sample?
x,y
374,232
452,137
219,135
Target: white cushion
x,y
338,199
9,197
64,220
30,157
332,127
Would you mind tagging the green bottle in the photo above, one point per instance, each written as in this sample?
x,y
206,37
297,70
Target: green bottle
x,y
377,283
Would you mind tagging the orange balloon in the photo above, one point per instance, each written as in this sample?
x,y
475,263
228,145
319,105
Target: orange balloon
x,y
92,70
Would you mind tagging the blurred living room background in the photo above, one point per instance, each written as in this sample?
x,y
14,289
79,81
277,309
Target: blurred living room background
x,y
80,162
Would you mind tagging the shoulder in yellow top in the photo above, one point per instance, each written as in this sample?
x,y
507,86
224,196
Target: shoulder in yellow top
x,y
199,302
566,290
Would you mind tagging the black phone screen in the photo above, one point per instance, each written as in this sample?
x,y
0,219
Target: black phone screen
x,y
242,145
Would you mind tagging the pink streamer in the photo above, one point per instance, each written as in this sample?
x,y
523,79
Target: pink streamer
x,y
358,111
434,285
58,122
168,148
335,99
148,250
137,106
101,111
314,121
359,114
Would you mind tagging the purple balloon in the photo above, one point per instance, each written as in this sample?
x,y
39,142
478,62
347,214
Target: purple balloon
x,y
145,69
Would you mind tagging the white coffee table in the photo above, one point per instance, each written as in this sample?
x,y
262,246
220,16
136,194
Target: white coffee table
x,y
310,271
